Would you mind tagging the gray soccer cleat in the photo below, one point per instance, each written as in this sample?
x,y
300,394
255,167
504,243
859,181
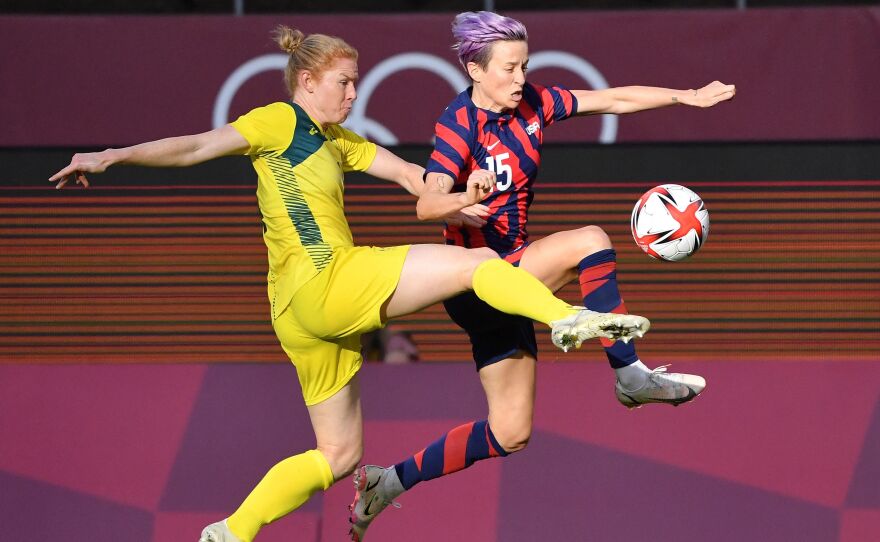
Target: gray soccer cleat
x,y
370,498
585,324
218,532
662,387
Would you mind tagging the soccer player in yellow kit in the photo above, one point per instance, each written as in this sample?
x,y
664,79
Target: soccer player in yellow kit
x,y
325,292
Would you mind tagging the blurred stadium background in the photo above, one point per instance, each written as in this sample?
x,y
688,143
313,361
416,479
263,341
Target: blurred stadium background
x,y
142,391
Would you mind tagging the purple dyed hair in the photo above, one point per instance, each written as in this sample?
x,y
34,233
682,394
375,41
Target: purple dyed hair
x,y
475,32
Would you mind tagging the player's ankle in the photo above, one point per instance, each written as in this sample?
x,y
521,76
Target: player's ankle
x,y
393,485
633,376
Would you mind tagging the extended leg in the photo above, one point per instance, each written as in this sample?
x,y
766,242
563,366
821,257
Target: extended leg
x,y
586,254
290,483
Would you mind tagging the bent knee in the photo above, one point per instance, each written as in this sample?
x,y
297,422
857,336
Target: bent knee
x,y
480,255
515,444
343,460
592,239
513,439
475,257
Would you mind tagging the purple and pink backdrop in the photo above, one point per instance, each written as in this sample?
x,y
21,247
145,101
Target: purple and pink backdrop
x,y
803,74
775,452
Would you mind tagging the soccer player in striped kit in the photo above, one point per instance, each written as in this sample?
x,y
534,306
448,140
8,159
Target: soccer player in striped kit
x,y
324,292
497,124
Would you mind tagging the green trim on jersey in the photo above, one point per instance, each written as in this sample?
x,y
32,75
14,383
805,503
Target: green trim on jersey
x,y
307,138
298,209
306,141
300,188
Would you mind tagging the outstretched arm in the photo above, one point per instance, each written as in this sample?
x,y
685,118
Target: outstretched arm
x,y
410,176
621,100
387,165
170,152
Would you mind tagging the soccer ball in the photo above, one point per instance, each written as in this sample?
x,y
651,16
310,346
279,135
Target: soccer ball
x,y
670,222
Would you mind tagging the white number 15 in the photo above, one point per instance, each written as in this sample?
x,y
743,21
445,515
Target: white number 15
x,y
496,164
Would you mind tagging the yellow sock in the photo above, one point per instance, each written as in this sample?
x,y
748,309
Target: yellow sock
x,y
514,291
286,487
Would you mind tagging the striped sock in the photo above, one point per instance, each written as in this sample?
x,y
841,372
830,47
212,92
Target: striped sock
x,y
454,451
597,275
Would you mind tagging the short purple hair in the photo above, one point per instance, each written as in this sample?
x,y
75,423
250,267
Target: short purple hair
x,y
475,32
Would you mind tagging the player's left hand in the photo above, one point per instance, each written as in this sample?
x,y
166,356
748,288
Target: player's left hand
x,y
80,164
711,94
480,184
473,216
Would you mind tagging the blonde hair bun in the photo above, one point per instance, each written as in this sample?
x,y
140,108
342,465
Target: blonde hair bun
x,y
288,39
311,53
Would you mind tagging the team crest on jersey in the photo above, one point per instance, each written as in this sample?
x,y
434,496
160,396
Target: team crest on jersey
x,y
532,128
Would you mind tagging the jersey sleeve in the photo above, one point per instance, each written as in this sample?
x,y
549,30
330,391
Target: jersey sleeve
x,y
267,129
357,153
452,149
556,102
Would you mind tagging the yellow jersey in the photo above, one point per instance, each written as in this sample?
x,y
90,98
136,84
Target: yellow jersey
x,y
300,169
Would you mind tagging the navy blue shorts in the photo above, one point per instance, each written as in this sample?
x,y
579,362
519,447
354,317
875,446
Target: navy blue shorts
x,y
494,335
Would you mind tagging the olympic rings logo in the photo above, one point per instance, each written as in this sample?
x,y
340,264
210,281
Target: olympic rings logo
x,y
358,120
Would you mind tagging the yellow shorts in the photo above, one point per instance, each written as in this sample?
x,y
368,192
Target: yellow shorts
x,y
321,327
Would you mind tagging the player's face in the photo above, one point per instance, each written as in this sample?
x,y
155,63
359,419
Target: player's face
x,y
335,93
499,87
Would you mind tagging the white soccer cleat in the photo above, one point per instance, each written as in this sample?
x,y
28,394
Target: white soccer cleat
x,y
572,331
370,498
662,387
218,532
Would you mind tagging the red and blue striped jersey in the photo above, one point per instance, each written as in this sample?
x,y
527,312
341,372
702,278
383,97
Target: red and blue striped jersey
x,y
468,138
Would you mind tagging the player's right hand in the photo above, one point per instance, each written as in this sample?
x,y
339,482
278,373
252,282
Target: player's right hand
x,y
480,184
80,164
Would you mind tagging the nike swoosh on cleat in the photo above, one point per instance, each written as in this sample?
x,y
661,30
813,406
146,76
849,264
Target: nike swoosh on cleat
x,y
691,394
367,507
674,402
369,487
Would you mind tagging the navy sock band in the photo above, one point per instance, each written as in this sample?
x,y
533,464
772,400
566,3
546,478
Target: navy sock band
x,y
597,275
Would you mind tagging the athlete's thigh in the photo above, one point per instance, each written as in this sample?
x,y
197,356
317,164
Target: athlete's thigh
x,y
432,273
347,297
510,391
553,260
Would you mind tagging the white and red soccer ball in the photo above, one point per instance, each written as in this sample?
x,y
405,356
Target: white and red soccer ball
x,y
670,222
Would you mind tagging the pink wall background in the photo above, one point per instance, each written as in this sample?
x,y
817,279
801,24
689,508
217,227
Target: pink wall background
x,y
147,453
802,74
